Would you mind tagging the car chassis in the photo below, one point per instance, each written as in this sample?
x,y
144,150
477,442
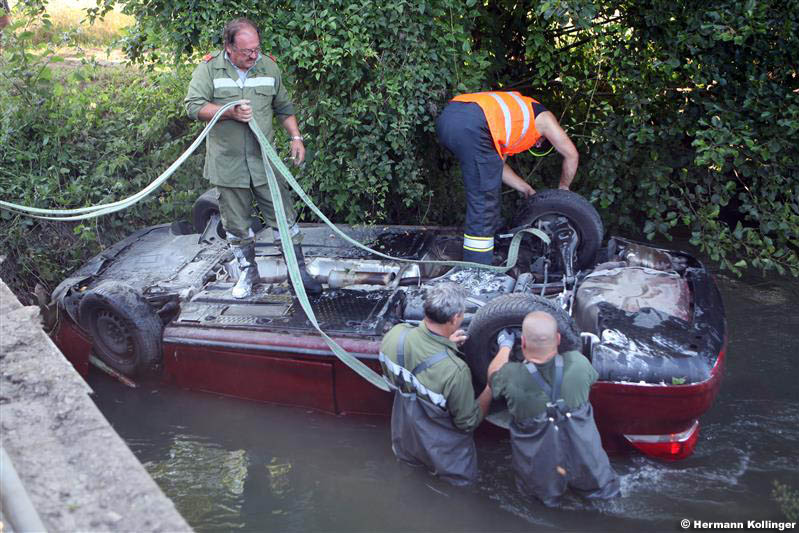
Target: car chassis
x,y
158,304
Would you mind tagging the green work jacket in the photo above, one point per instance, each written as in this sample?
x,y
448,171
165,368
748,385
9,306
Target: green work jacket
x,y
232,154
450,378
527,400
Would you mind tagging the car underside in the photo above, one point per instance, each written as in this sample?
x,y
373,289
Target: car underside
x,y
650,320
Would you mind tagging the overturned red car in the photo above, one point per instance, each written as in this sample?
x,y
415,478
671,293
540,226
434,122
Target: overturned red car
x,y
651,321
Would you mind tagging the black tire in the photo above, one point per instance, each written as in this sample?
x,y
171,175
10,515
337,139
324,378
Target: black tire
x,y
580,213
205,206
125,329
508,311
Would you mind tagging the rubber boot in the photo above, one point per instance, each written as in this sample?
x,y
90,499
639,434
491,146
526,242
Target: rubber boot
x,y
312,286
245,255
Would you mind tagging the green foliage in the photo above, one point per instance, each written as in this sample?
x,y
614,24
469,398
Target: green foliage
x,y
788,499
694,121
686,117
77,135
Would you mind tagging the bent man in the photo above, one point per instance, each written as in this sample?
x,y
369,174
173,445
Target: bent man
x,y
554,439
233,161
435,411
482,129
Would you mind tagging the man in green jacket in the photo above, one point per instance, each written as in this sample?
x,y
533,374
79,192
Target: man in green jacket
x,y
554,439
435,410
233,161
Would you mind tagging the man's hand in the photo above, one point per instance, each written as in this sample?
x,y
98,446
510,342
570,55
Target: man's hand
x,y
297,151
513,180
459,337
527,190
505,339
241,112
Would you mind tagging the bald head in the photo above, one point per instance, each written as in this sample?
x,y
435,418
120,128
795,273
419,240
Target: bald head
x,y
540,337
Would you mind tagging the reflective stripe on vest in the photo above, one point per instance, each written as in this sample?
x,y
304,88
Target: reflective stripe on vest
x,y
259,81
478,244
401,373
509,117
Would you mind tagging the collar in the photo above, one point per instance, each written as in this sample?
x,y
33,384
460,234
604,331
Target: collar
x,y
546,365
227,61
440,339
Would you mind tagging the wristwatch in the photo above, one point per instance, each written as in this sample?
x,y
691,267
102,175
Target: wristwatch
x,y
296,138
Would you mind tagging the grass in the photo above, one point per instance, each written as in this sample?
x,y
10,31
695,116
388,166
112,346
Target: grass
x,y
69,16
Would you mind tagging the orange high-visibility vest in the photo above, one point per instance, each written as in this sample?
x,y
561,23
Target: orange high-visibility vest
x,y
510,119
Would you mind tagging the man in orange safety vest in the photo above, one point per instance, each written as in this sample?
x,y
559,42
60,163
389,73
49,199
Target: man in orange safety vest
x,y
482,129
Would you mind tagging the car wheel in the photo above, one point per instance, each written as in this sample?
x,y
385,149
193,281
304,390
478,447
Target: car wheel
x,y
508,311
205,206
125,329
547,207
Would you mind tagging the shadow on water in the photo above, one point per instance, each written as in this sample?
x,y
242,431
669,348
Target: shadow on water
x,y
236,465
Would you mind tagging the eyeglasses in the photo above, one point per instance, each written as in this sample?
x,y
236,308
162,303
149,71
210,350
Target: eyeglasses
x,y
248,51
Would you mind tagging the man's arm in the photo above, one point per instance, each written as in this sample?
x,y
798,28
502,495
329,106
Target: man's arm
x,y
498,362
465,411
513,180
241,112
548,126
505,341
297,146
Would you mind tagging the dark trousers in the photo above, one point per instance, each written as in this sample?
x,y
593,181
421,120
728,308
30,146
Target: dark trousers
x,y
462,128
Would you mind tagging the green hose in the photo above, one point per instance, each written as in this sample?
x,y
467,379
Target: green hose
x,y
83,213
270,155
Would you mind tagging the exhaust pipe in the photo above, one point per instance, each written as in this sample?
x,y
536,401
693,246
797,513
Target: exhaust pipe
x,y
344,278
275,271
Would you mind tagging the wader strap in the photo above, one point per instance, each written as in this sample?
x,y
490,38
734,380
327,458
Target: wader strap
x,y
553,393
401,347
430,361
558,377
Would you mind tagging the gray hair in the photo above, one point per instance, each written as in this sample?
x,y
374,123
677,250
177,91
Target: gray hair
x,y
443,301
235,26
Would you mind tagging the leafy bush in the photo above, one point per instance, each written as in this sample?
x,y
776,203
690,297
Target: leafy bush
x,y
686,119
73,136
788,499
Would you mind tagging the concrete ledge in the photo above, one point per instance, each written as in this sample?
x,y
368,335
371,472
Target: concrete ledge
x,y
78,472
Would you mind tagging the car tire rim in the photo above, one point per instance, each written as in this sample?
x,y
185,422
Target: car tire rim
x,y
113,337
544,223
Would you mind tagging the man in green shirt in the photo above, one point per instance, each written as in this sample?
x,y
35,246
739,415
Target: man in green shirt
x,y
554,439
233,161
435,410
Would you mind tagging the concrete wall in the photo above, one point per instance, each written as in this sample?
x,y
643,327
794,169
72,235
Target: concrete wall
x,y
78,472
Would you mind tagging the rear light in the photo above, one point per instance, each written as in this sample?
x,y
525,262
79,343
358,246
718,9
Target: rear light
x,y
671,447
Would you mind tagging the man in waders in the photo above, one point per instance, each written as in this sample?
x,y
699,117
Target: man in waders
x,y
233,161
554,439
482,129
435,411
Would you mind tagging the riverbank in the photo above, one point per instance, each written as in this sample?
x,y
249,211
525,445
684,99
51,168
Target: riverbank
x,y
77,472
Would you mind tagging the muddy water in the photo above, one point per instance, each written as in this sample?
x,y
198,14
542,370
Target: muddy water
x,y
233,465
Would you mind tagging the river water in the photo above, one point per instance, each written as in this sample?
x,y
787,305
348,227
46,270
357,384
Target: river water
x,y
232,465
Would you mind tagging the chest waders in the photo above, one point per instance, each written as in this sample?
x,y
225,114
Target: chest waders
x,y
423,432
560,448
